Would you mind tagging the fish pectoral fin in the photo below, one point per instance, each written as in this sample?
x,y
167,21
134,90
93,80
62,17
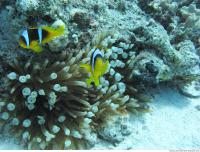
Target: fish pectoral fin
x,y
105,67
96,81
89,80
86,66
37,49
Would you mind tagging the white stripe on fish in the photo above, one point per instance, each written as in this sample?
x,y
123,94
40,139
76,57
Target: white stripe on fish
x,y
25,35
40,34
95,54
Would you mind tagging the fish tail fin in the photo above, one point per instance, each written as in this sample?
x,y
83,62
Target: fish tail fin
x,y
59,31
53,32
86,66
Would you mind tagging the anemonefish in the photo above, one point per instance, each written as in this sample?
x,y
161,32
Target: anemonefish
x,y
96,68
33,38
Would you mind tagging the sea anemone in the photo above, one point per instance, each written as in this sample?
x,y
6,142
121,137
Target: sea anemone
x,y
117,92
49,105
48,101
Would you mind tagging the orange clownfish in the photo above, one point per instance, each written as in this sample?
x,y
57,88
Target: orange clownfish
x,y
33,38
96,68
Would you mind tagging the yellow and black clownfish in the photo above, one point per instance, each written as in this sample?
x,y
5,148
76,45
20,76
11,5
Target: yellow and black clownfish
x,y
96,68
33,38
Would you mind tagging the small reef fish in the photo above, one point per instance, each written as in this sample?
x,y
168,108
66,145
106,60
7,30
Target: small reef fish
x,y
96,68
33,38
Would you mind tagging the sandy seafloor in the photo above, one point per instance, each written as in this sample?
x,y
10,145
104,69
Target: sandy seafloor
x,y
173,123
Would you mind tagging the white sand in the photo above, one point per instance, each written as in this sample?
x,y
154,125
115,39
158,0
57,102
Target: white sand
x,y
174,123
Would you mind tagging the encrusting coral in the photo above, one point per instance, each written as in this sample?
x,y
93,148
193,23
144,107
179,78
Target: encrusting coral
x,y
154,37
50,105
176,41
180,19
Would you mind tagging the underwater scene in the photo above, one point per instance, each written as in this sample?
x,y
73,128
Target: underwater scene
x,y
99,74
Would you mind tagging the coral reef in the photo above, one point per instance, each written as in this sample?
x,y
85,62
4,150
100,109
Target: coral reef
x,y
181,22
47,102
154,36
180,19
116,130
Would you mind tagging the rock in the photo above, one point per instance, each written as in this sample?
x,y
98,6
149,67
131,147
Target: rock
x,y
27,5
191,90
197,107
115,130
81,19
150,68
